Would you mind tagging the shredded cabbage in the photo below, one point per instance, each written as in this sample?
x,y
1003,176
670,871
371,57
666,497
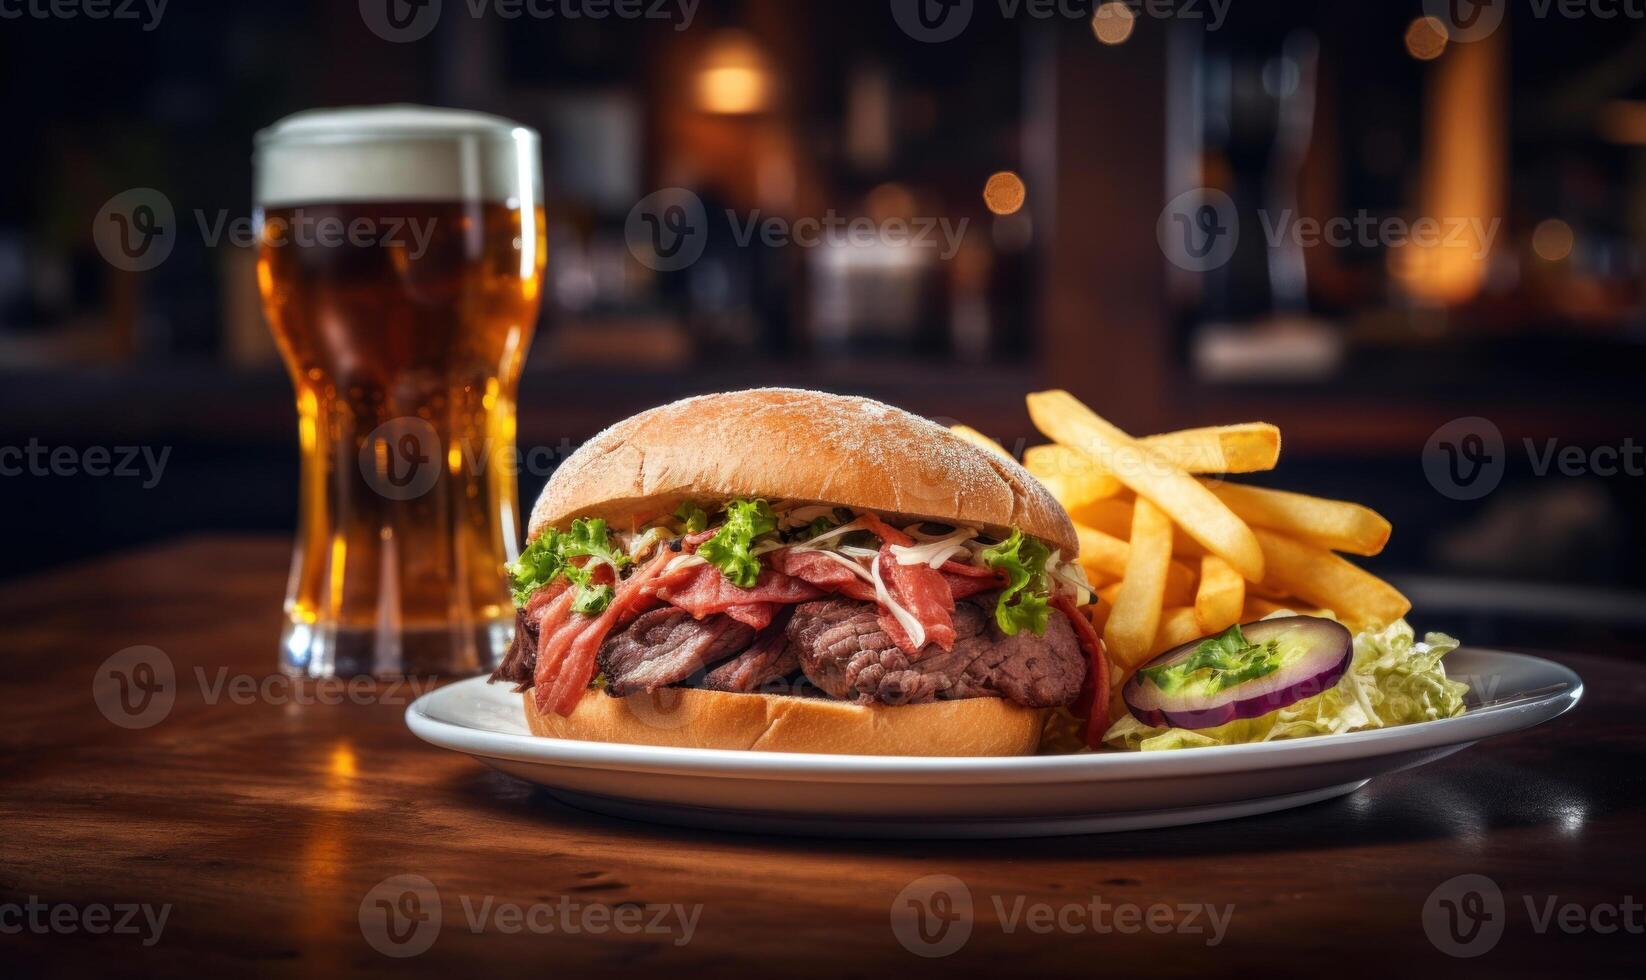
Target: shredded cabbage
x,y
1392,680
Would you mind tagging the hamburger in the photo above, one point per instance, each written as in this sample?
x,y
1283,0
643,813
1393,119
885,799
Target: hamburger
x,y
792,571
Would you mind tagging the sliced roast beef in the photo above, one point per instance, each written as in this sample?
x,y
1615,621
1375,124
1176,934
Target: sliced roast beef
x,y
770,658
703,591
521,660
666,646
844,651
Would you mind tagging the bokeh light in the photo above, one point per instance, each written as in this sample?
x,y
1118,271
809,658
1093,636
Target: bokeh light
x,y
1113,23
1426,38
1004,193
1552,239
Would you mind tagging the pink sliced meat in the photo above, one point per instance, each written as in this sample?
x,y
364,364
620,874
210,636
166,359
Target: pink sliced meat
x,y
562,684
924,592
705,592
966,581
920,589
824,572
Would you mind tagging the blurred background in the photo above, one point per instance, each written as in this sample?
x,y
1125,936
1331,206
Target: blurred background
x,y
1415,245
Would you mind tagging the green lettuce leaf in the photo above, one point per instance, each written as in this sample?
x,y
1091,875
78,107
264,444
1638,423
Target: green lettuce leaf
x,y
1026,601
728,550
550,557
692,516
1392,680
1217,664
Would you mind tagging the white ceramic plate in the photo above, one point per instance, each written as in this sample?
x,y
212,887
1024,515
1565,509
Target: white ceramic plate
x,y
904,796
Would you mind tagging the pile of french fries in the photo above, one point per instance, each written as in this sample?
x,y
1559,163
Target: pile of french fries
x,y
1176,553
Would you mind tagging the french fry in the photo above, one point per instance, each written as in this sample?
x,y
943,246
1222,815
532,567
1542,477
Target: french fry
x,y
1153,477
1335,525
1267,590
1178,626
1221,596
1246,448
1109,593
1071,477
1257,607
980,440
1135,618
1323,579
1112,516
1104,555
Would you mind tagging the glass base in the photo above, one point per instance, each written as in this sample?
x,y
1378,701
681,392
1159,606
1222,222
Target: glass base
x,y
310,650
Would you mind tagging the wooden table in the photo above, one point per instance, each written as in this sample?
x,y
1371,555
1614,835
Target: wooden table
x,y
266,826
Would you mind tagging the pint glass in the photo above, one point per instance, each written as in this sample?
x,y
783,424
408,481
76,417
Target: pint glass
x,y
401,252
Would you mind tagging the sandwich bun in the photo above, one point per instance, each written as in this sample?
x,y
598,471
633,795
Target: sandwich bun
x,y
699,719
803,446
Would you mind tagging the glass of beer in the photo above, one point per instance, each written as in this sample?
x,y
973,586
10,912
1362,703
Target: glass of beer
x,y
401,255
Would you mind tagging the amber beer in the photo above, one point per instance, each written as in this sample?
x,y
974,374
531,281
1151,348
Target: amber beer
x,y
400,260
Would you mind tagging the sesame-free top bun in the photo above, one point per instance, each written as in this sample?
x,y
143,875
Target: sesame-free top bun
x,y
787,444
698,719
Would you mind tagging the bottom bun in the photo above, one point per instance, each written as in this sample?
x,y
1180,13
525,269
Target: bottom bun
x,y
692,718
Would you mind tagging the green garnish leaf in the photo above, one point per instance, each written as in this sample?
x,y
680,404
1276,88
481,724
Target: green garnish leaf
x,y
821,525
550,556
593,599
1027,599
692,516
1218,663
729,549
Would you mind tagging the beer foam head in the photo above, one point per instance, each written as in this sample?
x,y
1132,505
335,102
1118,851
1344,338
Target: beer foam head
x,y
397,153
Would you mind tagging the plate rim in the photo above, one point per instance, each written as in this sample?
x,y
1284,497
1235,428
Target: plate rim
x,y
1222,759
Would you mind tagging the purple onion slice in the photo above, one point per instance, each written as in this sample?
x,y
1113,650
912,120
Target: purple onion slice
x,y
1244,672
